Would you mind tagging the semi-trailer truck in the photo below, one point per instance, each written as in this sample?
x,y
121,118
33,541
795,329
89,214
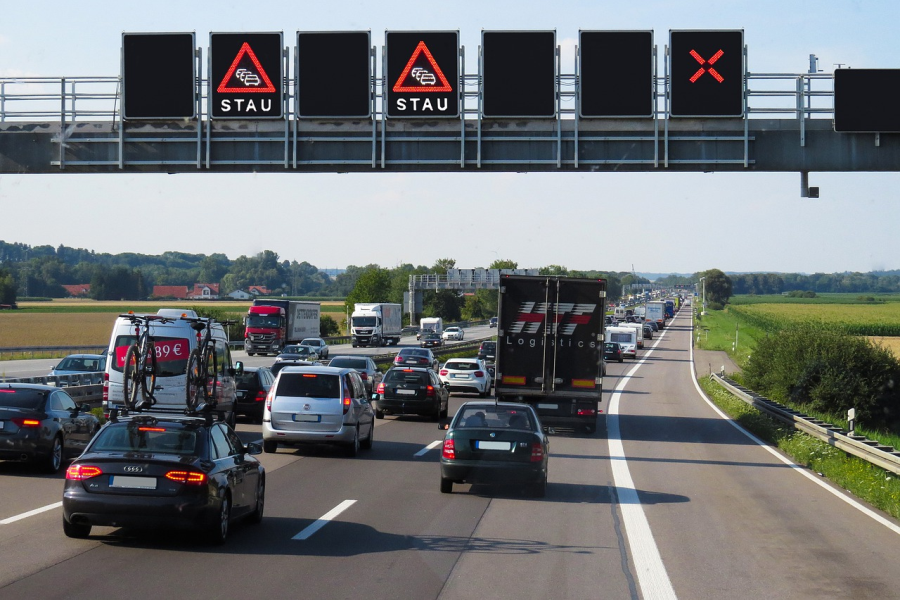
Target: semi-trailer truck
x,y
376,324
271,324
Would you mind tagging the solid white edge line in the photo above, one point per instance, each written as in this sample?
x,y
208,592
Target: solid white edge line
x,y
798,468
648,565
324,519
30,513
430,446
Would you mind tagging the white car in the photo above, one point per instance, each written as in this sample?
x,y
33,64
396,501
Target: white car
x,y
468,375
453,333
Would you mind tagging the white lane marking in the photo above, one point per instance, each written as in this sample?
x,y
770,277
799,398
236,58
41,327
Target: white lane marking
x,y
30,513
324,519
648,564
424,450
797,468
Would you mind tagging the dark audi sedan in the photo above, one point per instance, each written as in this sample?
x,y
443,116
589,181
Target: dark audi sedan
x,y
42,423
487,442
160,470
411,391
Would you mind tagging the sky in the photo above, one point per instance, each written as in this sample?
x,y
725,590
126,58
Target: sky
x,y
649,222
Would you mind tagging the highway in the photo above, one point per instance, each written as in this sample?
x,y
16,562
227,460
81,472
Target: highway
x,y
669,500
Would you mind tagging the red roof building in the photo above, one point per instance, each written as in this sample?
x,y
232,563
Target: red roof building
x,y
179,292
78,290
259,290
205,291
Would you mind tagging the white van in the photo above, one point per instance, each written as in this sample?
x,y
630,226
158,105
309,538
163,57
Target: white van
x,y
619,313
174,342
639,333
626,337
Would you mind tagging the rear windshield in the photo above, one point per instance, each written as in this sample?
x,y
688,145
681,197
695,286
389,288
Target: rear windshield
x,y
462,366
171,354
248,378
403,376
21,398
138,438
491,347
309,385
413,352
495,417
621,337
348,363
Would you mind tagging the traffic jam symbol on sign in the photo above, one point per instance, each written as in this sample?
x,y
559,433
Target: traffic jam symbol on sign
x,y
706,66
422,75
246,76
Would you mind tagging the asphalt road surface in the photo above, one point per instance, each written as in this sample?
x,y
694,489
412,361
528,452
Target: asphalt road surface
x,y
669,500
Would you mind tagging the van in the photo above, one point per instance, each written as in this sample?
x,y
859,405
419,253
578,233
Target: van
x,y
639,333
619,313
174,342
626,337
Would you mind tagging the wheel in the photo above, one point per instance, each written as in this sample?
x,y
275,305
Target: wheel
x,y
54,461
210,360
437,414
379,414
270,446
131,379
621,360
353,446
257,515
148,377
195,388
76,530
249,354
444,411
219,531
366,444
446,486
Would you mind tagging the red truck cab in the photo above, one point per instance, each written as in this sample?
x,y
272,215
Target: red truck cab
x,y
265,329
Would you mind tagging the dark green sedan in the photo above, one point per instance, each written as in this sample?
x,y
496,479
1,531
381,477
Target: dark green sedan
x,y
490,442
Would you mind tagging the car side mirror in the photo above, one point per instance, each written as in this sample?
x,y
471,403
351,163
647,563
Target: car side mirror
x,y
444,424
238,368
253,448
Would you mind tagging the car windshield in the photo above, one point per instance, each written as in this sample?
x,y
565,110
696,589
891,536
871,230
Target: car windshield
x,y
21,398
296,349
494,417
432,336
136,437
462,365
349,363
406,376
80,363
308,385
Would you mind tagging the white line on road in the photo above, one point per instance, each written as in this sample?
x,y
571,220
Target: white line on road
x,y
424,450
30,513
324,519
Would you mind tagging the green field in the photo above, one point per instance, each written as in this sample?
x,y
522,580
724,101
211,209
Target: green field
x,y
882,319
819,299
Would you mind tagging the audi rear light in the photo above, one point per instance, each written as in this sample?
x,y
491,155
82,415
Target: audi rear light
x,y
82,472
380,388
29,423
444,372
537,452
449,450
187,477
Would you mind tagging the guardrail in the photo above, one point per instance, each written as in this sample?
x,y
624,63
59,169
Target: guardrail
x,y
872,451
84,387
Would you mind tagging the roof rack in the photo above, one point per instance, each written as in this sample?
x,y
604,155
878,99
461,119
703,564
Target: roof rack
x,y
205,411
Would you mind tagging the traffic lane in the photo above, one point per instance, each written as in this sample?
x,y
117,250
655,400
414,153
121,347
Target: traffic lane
x,y
753,526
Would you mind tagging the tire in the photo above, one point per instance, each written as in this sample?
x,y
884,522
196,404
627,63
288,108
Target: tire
x,y
379,414
445,410
621,360
210,359
148,377
130,378
366,444
257,515
539,490
249,354
353,446
446,486
76,530
270,446
54,461
195,385
218,533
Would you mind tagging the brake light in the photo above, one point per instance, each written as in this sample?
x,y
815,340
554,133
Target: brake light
x,y
347,400
398,359
156,429
449,450
444,373
105,388
537,452
269,397
82,472
479,373
380,388
586,412
188,477
27,422
260,396
429,391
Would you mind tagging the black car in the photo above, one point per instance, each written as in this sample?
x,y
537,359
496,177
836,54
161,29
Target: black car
x,y
488,351
411,391
252,387
365,366
488,442
613,351
416,357
42,423
297,352
431,340
289,363
159,470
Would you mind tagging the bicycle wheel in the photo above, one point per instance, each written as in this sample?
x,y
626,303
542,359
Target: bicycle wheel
x,y
212,374
195,386
148,376
131,379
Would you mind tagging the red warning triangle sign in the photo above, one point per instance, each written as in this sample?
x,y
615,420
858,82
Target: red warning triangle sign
x,y
246,75
422,74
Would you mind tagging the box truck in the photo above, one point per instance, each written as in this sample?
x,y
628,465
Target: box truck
x,y
376,324
656,311
271,324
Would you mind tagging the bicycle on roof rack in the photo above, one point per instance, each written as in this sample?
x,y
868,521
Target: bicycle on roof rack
x,y
202,372
139,381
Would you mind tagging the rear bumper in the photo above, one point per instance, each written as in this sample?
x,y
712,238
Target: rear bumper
x,y
477,471
343,435
145,512
21,448
408,407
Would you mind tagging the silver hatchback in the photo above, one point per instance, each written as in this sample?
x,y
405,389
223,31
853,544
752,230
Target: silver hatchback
x,y
318,405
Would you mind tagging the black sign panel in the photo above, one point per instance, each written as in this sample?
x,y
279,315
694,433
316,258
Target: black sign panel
x,y
246,77
707,78
865,100
422,73
519,73
334,74
159,76
616,73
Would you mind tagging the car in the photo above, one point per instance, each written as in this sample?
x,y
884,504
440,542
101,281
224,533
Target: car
x,y
275,368
164,470
431,340
252,388
411,391
318,405
297,352
613,351
466,375
317,344
365,366
43,425
416,357
76,364
487,351
491,443
648,331
492,322
653,325
453,333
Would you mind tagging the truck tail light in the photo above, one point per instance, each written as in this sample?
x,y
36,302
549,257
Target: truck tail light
x,y
537,452
449,450
586,412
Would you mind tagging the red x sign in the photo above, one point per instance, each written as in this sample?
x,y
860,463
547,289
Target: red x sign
x,y
707,69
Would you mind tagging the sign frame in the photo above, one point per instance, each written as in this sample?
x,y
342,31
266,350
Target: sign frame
x,y
371,71
194,76
213,96
651,88
389,94
481,76
835,120
670,68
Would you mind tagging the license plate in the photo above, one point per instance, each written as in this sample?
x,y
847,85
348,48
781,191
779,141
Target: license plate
x,y
2,424
307,418
133,483
240,394
548,406
459,376
406,392
489,445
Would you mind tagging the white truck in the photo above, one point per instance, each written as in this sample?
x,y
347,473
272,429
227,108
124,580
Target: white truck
x,y
434,324
376,324
626,337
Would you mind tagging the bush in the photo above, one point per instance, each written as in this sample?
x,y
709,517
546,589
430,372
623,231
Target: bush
x,y
715,306
328,327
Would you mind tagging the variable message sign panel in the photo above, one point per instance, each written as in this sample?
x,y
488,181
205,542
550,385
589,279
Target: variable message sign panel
x,y
246,75
159,76
708,73
865,100
334,74
518,73
615,73
422,73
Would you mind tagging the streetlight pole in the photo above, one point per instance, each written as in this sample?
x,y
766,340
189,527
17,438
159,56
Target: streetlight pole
x,y
703,282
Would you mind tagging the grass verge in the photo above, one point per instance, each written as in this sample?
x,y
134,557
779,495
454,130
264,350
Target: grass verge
x,y
864,480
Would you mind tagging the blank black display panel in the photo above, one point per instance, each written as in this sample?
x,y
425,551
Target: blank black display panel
x,y
865,100
519,70
616,73
158,76
333,74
